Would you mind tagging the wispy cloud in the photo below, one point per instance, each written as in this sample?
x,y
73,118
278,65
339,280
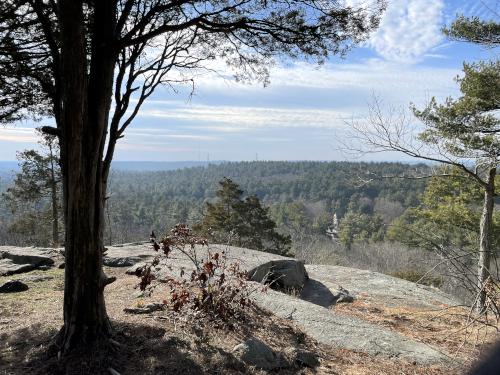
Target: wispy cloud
x,y
372,74
18,134
149,148
301,96
252,117
156,134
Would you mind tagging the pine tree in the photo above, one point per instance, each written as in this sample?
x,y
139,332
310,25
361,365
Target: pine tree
x,y
474,30
239,222
35,197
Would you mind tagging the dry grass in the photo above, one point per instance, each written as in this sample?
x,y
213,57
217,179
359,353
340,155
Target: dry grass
x,y
162,343
445,328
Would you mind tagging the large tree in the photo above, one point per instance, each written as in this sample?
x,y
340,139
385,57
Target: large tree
x,y
91,65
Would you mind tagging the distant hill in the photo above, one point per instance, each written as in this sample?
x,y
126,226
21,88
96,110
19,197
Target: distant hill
x,y
158,165
9,168
272,181
12,165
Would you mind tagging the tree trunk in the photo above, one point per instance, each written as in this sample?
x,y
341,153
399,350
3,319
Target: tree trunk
x,y
86,98
485,240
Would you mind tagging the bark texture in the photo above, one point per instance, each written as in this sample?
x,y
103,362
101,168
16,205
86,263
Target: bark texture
x,y
86,98
485,251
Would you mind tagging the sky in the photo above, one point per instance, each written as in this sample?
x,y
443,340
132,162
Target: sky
x,y
305,111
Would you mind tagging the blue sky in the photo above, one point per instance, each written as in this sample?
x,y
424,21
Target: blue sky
x,y
302,114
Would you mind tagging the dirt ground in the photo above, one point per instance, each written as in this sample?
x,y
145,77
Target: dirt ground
x,y
164,343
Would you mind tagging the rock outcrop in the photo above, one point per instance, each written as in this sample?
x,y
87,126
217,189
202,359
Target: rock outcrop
x,y
28,255
8,267
282,274
14,260
256,353
312,309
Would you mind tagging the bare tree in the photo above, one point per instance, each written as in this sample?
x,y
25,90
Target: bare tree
x,y
462,133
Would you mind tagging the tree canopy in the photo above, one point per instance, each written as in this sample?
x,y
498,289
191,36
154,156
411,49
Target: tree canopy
x,y
462,133
242,222
474,30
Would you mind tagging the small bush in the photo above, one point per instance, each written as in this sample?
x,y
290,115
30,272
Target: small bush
x,y
215,287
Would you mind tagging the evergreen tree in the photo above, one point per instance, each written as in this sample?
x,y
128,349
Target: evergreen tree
x,y
450,209
474,30
359,226
35,196
239,222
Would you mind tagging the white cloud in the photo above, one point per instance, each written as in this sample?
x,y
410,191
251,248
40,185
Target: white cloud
x,y
156,134
374,74
330,94
18,134
396,82
252,117
408,29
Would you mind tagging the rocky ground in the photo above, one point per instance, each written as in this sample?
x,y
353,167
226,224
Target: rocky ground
x,y
392,326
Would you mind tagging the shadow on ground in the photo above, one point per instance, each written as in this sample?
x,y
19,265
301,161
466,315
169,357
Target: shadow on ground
x,y
143,349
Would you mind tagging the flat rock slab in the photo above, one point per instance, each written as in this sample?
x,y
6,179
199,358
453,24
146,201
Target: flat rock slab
x,y
121,261
331,328
36,278
127,255
325,280
8,267
379,288
28,255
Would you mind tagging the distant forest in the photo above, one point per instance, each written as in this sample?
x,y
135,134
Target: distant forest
x,y
302,196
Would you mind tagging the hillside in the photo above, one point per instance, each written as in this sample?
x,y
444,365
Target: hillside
x,y
392,325
148,195
311,192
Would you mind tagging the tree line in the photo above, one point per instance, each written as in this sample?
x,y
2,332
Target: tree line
x,y
302,196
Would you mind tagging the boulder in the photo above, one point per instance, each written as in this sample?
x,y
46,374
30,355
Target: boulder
x,y
284,274
8,267
25,255
256,353
135,268
342,295
13,286
121,261
302,358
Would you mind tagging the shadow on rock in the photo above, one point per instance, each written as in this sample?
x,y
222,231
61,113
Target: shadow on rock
x,y
317,293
